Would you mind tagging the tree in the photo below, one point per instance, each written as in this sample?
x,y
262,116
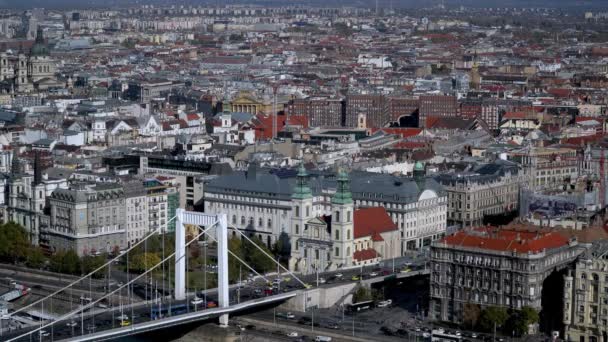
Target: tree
x,y
471,313
519,320
65,262
492,317
90,263
14,242
254,256
142,262
35,258
362,294
282,248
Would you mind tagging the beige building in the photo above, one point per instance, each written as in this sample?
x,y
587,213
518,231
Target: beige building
x,y
487,189
586,298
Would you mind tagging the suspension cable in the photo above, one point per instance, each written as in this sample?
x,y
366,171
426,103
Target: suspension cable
x,y
239,259
92,303
268,255
88,275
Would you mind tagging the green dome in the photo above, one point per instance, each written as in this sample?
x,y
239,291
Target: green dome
x,y
418,166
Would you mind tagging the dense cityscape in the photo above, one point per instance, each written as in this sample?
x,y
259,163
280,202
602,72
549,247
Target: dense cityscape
x,y
284,171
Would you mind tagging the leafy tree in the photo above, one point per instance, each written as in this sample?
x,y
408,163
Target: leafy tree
x,y
362,294
282,248
255,257
235,246
90,263
35,258
142,262
519,320
471,313
66,262
14,242
491,317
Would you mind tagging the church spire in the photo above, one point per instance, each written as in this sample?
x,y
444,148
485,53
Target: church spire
x,y
37,169
343,194
15,164
302,189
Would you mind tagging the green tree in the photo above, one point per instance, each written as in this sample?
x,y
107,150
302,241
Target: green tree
x,y
35,258
65,262
519,320
90,263
362,294
142,262
254,256
491,317
14,242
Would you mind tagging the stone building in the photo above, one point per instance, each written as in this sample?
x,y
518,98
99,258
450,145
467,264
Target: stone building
x,y
486,189
259,201
586,297
506,267
88,218
25,73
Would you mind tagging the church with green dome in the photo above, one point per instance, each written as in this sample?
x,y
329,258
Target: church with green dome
x,y
23,73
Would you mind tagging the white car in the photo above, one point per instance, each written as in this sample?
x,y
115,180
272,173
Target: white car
x,y
373,274
290,315
426,335
122,317
197,301
72,324
473,335
339,275
322,281
44,333
384,303
292,334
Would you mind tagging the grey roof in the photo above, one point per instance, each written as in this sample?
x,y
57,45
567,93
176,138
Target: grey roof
x,y
279,184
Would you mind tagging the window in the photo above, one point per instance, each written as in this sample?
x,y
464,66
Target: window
x,y
307,211
297,211
233,219
337,216
260,222
269,223
297,229
337,234
337,251
348,216
348,234
347,251
317,254
243,220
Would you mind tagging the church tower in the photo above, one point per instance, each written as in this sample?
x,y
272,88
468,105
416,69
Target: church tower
x,y
301,211
301,203
342,227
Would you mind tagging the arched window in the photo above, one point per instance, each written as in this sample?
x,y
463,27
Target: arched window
x,y
307,210
337,251
297,211
260,222
268,241
269,223
337,234
584,276
347,251
242,220
297,229
337,216
251,221
348,216
233,219
348,234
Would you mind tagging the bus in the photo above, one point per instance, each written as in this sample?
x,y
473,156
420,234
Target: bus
x,y
168,310
356,307
439,335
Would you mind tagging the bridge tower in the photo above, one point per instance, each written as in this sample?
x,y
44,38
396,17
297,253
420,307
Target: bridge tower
x,y
220,222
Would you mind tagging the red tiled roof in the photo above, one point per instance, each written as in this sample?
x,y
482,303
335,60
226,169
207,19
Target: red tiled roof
x,y
365,254
192,117
506,240
370,221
